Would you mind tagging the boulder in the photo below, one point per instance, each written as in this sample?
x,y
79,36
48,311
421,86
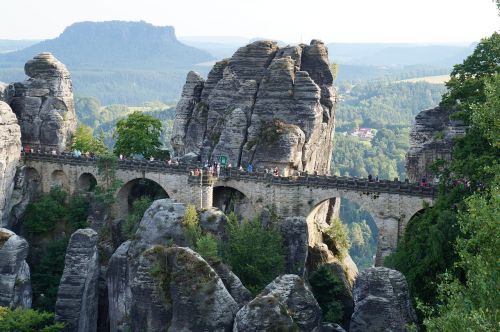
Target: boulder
x,y
44,104
214,221
15,283
268,105
286,304
295,294
10,151
381,301
233,284
77,297
264,313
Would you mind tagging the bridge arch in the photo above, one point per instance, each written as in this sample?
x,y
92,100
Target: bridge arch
x,y
228,198
87,182
135,189
59,179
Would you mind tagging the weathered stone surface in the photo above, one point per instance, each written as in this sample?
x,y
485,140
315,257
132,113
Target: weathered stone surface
x,y
152,287
44,103
264,313
26,185
294,231
77,297
382,301
10,150
214,221
15,284
431,138
294,293
330,327
265,105
233,284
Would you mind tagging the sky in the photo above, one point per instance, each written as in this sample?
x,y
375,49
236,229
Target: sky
x,y
410,21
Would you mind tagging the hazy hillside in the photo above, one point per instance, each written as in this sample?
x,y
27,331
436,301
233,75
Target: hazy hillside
x,y
114,45
7,45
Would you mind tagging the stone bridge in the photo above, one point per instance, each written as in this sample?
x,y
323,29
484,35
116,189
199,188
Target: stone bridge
x,y
391,203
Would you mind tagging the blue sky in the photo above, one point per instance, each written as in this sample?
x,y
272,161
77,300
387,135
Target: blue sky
x,y
420,21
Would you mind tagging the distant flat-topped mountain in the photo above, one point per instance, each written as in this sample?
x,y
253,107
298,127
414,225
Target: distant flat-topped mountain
x,y
114,45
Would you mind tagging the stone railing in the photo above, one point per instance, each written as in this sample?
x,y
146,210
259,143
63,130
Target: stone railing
x,y
226,174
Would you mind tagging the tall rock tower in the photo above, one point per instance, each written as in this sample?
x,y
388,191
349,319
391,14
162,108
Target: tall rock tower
x,y
266,105
44,104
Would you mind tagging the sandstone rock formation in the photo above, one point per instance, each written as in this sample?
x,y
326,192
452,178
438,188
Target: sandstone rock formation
x,y
382,301
233,284
294,232
430,139
15,284
151,286
77,298
10,150
3,91
266,105
44,104
285,304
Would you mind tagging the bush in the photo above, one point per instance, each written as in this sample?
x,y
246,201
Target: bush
x,y
207,247
78,211
338,237
327,289
43,214
134,218
190,222
27,320
254,252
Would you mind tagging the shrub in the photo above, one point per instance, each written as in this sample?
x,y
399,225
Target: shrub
x,y
27,320
254,252
139,206
207,247
327,289
43,214
338,238
78,211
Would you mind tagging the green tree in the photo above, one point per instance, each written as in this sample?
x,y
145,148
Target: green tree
x,y
27,320
466,86
337,236
85,141
328,289
255,252
45,212
138,134
190,223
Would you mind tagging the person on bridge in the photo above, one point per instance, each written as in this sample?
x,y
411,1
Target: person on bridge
x,y
250,168
370,178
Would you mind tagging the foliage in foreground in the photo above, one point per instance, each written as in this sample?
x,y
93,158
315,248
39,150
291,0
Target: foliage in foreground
x,y
475,304
451,251
254,252
27,320
327,289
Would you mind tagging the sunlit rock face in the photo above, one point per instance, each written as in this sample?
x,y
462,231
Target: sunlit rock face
x,y
44,103
266,105
10,149
431,139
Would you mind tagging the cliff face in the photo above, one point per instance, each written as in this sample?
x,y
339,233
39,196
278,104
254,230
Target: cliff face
x,y
10,148
431,139
15,282
44,104
265,105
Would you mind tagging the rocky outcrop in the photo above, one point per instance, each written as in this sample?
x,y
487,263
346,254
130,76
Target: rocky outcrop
x,y
15,284
10,151
266,105
77,298
294,232
285,304
233,284
431,139
151,286
382,301
44,104
26,186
